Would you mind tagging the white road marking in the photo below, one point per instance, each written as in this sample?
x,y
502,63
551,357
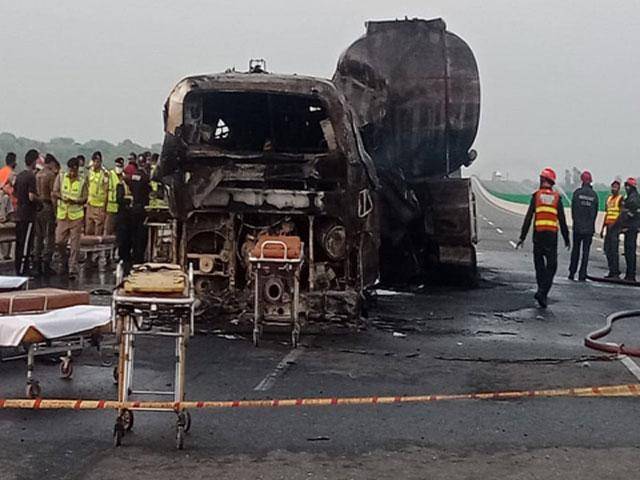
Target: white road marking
x,y
631,365
512,243
268,381
490,222
499,230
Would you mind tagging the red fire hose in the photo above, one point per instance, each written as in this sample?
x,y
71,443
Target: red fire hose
x,y
591,340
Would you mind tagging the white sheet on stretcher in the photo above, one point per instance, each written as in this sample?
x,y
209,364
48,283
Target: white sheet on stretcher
x,y
55,324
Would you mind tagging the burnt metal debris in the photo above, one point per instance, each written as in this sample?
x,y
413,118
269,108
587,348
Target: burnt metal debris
x,y
344,165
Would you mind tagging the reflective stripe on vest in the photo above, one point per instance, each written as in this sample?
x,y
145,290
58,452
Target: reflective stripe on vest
x,y
613,209
546,216
112,201
70,190
98,184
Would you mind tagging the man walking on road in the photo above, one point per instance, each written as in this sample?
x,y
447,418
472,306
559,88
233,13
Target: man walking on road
x,y
584,210
547,213
27,195
630,218
612,226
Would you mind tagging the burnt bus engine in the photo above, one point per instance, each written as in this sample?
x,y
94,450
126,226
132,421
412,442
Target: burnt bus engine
x,y
248,155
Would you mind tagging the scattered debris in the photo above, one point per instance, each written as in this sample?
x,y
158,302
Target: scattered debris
x,y
320,438
542,360
101,291
399,335
491,332
229,336
388,293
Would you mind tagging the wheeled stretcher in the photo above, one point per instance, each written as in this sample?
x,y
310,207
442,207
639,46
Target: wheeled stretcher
x,y
62,330
276,262
155,300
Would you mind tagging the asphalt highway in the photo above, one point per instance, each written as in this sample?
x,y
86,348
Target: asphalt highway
x,y
430,340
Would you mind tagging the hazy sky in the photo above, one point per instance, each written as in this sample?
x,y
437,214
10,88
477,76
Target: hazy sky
x,y
560,79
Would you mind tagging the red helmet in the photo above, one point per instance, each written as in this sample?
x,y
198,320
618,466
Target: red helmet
x,y
548,174
632,182
586,177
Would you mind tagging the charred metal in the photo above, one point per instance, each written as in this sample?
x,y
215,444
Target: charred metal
x,y
252,154
255,155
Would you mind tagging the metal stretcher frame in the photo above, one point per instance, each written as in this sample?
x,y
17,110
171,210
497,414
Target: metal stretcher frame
x,y
38,345
128,320
291,266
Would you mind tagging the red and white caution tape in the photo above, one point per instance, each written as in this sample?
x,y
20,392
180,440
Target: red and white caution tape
x,y
629,390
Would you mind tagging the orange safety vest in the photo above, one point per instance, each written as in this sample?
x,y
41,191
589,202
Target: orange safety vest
x,y
546,218
613,209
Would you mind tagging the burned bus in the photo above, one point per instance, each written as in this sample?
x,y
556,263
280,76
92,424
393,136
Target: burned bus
x,y
249,155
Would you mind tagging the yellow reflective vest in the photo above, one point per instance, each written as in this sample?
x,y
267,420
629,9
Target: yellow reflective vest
x,y
112,201
613,209
98,187
70,190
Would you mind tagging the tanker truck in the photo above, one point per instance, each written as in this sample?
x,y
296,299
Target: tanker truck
x,y
415,91
358,169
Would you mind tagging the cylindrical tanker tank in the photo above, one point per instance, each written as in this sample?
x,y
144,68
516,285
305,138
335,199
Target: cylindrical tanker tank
x,y
415,91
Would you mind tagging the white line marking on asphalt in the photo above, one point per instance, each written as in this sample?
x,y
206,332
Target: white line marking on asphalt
x,y
499,230
268,381
631,365
512,243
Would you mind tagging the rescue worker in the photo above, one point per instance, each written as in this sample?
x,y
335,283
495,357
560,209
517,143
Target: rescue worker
x,y
27,197
46,216
123,223
97,198
156,200
584,210
115,178
140,187
81,167
132,164
70,192
612,227
6,175
7,198
547,213
630,220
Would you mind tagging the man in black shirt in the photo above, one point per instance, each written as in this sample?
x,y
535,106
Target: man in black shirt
x,y
584,210
27,196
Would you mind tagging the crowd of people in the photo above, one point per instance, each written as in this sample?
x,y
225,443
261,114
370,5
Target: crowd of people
x,y
546,211
53,207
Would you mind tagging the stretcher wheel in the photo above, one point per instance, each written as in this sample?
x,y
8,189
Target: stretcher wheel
x,y
180,437
33,390
187,422
66,368
118,433
127,419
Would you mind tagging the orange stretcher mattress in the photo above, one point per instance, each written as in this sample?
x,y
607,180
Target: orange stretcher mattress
x,y
41,300
276,250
